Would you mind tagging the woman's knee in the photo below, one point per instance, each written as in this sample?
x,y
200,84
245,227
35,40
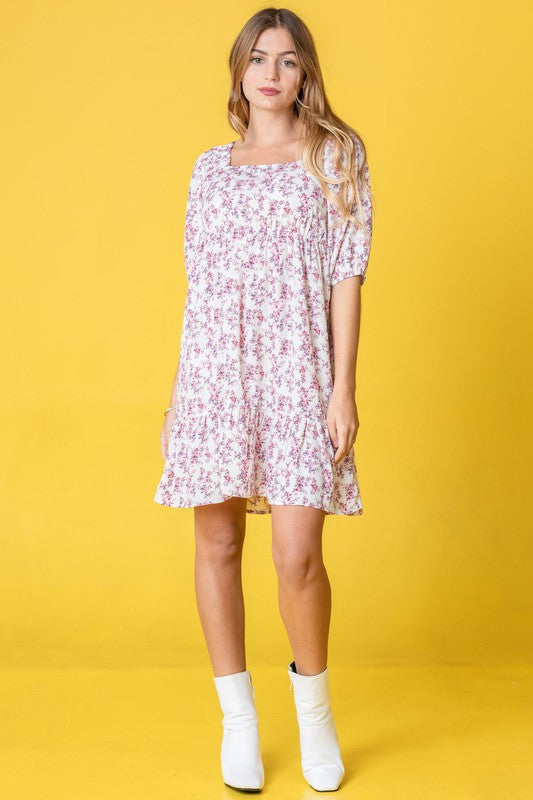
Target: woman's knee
x,y
294,567
219,531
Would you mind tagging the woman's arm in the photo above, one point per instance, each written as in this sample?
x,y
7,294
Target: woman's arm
x,y
345,313
193,226
349,249
170,416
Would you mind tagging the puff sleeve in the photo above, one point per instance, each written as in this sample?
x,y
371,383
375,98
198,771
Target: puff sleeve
x,y
194,224
348,245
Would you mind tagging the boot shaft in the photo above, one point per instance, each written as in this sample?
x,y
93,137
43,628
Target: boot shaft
x,y
311,692
236,696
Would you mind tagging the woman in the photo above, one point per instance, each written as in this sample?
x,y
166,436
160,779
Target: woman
x,y
262,416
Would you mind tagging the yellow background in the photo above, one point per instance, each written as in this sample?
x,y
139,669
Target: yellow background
x,y
105,106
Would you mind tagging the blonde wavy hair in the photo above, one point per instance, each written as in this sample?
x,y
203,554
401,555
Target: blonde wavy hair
x,y
319,123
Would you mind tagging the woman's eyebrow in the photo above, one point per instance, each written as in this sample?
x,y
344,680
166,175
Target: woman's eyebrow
x,y
283,53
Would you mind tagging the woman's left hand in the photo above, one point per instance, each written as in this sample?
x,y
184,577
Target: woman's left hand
x,y
343,422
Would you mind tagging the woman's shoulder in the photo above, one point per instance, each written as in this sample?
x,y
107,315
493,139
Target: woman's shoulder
x,y
213,156
330,146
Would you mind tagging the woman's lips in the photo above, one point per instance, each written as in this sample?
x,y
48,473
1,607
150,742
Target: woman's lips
x,y
269,91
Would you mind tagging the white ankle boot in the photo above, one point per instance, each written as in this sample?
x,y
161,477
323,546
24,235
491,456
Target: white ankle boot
x,y
319,747
240,754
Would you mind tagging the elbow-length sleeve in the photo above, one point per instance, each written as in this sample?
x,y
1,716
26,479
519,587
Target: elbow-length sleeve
x,y
194,224
348,245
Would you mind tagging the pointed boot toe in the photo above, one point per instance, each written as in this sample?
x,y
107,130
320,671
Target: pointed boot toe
x,y
324,778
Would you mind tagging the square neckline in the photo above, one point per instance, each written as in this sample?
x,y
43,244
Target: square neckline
x,y
229,148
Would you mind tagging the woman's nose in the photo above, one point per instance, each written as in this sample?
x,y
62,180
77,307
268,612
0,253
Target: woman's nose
x,y
272,73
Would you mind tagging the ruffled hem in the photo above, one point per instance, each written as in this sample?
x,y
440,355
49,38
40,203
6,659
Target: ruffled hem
x,y
258,504
242,451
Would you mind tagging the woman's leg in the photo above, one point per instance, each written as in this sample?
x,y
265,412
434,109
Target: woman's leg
x,y
305,604
304,591
219,530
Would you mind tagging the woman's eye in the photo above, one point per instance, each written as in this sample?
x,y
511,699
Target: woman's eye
x,y
286,61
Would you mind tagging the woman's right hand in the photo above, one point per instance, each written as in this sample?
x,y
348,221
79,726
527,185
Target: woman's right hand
x,y
165,432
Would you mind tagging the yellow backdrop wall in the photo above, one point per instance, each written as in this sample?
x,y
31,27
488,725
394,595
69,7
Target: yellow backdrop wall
x,y
105,107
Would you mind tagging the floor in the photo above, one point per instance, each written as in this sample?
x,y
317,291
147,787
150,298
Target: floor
x,y
454,732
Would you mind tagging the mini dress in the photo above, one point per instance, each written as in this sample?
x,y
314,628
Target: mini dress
x,y
256,362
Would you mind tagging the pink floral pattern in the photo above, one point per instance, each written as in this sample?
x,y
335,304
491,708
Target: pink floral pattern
x,y
256,366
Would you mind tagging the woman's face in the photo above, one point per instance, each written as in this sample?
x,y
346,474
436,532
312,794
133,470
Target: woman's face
x,y
273,63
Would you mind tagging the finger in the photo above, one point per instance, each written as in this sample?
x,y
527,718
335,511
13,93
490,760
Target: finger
x,y
339,455
344,447
333,438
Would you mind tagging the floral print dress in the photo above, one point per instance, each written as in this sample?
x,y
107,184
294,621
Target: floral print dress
x,y
256,365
